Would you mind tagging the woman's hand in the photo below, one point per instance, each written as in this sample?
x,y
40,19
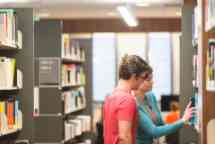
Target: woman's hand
x,y
188,113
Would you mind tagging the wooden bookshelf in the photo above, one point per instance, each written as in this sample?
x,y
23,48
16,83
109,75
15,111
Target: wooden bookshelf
x,y
209,15
206,93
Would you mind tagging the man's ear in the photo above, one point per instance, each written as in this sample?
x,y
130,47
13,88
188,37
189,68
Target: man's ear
x,y
145,75
134,77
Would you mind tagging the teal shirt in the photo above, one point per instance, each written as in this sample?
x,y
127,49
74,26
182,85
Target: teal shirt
x,y
147,130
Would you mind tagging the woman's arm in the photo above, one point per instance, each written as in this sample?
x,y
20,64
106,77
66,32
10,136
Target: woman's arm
x,y
156,131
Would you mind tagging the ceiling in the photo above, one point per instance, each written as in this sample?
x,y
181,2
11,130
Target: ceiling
x,y
78,9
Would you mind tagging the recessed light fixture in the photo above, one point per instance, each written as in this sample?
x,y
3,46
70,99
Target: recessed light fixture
x,y
127,16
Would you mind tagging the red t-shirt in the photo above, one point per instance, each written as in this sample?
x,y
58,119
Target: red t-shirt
x,y
120,106
172,117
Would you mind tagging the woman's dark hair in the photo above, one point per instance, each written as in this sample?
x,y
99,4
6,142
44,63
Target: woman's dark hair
x,y
174,106
133,64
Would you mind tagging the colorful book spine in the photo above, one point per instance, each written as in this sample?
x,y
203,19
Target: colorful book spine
x,y
73,74
210,67
74,100
10,115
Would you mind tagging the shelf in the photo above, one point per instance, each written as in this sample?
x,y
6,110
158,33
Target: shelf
x,y
70,60
210,26
76,110
8,89
48,86
66,141
211,89
8,47
73,139
76,85
10,131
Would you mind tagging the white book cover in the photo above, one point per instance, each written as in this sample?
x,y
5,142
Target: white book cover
x,y
19,78
78,127
68,131
20,121
19,39
4,123
2,72
10,72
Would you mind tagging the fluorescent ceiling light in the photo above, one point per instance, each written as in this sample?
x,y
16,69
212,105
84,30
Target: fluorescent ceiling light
x,y
143,4
127,16
44,15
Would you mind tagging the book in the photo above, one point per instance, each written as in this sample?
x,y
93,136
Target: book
x,y
19,39
77,126
7,72
210,67
74,100
73,74
7,27
71,48
10,116
19,80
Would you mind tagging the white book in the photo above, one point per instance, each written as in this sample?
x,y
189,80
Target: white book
x,y
19,39
19,78
20,120
2,72
10,67
4,127
87,121
78,128
68,131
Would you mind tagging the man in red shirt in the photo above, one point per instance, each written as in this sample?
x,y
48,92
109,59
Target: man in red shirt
x,y
120,113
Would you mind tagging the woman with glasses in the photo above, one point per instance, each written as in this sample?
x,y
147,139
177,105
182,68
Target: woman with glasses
x,y
150,122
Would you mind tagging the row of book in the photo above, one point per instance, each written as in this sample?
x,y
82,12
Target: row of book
x,y
74,100
72,74
71,48
210,14
9,34
211,65
9,76
10,116
196,71
75,127
7,26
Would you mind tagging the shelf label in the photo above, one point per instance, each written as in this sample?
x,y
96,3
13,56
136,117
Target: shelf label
x,y
49,71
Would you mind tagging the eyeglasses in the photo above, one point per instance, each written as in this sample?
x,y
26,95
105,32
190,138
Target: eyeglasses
x,y
147,77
